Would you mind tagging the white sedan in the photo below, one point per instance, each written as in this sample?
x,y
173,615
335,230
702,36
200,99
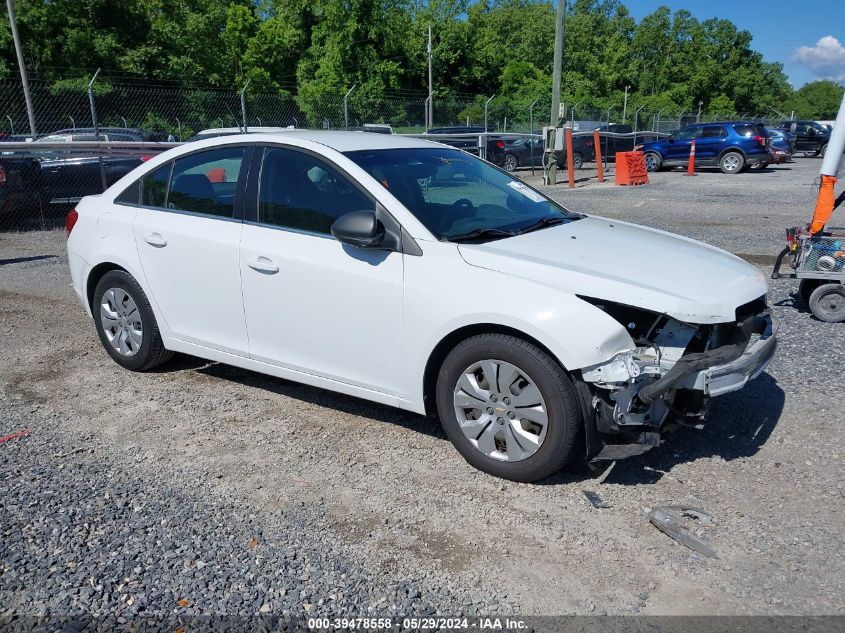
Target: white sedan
x,y
413,274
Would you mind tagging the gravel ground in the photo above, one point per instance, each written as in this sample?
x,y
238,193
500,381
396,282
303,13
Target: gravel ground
x,y
206,489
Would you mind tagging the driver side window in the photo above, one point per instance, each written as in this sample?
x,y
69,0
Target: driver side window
x,y
300,191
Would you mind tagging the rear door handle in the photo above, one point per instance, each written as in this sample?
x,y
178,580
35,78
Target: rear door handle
x,y
263,265
155,239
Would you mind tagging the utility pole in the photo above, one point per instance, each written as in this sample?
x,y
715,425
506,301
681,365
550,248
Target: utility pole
x,y
558,61
430,84
24,81
625,105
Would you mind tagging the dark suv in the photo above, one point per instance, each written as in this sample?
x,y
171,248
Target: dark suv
x,y
811,137
731,146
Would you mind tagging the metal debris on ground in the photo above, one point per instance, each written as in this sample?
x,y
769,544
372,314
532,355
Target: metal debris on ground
x,y
596,500
670,521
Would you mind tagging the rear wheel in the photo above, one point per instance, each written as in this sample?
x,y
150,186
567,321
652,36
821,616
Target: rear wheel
x,y
827,303
125,323
508,407
511,163
577,160
823,150
652,161
732,163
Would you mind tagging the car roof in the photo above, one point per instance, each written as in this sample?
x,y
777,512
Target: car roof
x,y
337,140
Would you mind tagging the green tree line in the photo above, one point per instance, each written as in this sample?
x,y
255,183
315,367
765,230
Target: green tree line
x,y
316,49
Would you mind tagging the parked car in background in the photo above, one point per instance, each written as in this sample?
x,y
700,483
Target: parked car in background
x,y
378,266
529,151
57,178
20,180
731,146
452,136
610,145
214,132
137,135
811,137
782,145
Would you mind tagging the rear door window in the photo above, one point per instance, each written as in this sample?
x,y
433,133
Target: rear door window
x,y
713,131
205,182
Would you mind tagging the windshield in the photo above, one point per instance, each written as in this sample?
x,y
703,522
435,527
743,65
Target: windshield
x,y
458,196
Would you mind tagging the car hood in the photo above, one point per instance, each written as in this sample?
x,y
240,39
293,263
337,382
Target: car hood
x,y
628,264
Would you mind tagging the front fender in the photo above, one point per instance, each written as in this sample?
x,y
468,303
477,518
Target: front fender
x,y
577,333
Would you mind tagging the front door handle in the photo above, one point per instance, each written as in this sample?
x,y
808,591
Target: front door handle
x,y
155,239
263,265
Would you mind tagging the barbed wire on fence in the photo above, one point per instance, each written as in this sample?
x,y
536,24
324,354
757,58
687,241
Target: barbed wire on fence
x,y
183,112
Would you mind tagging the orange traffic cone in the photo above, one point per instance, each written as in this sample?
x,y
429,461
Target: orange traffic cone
x,y
691,166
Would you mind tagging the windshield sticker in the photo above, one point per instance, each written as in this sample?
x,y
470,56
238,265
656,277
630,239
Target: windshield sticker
x,y
526,191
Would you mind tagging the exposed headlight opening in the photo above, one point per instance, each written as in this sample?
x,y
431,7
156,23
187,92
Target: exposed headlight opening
x,y
674,368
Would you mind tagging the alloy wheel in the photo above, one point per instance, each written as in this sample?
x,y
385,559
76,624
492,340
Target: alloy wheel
x,y
731,162
510,162
500,410
121,321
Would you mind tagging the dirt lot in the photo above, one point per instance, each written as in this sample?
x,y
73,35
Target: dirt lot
x,y
239,493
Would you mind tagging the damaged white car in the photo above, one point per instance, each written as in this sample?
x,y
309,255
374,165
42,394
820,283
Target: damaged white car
x,y
418,276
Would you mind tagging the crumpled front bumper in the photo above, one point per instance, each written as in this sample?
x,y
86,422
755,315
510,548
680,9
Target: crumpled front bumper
x,y
733,376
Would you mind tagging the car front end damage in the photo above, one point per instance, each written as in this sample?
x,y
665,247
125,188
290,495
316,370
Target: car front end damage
x,y
667,380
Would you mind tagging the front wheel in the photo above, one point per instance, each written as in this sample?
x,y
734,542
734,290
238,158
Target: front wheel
x,y
125,323
732,163
508,407
511,163
652,161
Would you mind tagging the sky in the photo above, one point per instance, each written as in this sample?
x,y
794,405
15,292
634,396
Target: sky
x,y
807,37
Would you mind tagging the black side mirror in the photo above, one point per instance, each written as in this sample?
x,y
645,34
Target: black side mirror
x,y
670,138
359,228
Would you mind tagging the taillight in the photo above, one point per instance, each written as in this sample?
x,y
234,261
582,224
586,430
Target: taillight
x,y
500,144
761,140
2,175
71,219
588,143
145,158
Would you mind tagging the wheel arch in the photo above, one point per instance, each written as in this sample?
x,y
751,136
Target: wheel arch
x,y
97,273
733,148
448,343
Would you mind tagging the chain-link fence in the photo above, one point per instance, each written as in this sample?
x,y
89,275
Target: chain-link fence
x,y
45,171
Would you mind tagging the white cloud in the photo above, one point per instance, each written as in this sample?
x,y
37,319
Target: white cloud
x,y
826,59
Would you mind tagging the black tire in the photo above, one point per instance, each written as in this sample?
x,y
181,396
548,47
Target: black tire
x,y
653,161
151,351
732,163
806,287
823,150
510,163
558,392
577,160
827,303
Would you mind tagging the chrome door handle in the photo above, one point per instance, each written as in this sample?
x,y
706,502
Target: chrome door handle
x,y
155,239
263,265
